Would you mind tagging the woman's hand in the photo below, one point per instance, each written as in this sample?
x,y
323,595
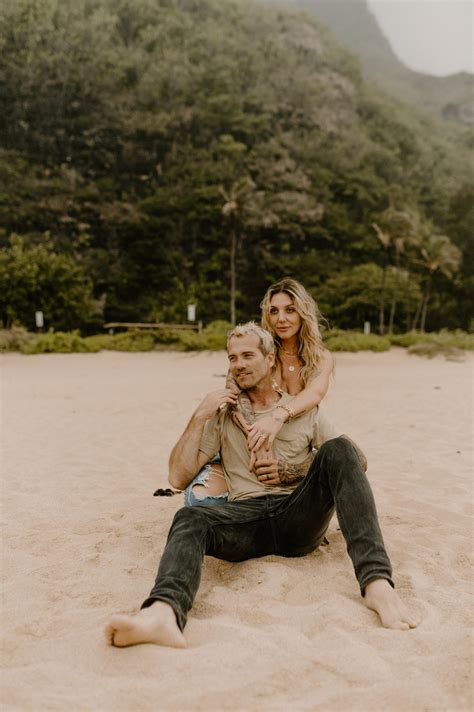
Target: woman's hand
x,y
263,432
239,420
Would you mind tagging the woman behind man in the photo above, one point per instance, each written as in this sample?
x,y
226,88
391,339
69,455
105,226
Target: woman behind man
x,y
303,369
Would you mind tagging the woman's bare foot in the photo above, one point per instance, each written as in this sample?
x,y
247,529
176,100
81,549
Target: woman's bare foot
x,y
381,598
155,624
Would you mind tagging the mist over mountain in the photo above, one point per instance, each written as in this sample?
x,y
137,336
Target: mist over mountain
x,y
354,25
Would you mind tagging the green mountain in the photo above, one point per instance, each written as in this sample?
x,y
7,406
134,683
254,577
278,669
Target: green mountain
x,y
159,152
353,24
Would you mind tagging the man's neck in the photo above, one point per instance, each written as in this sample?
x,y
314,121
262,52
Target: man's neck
x,y
262,396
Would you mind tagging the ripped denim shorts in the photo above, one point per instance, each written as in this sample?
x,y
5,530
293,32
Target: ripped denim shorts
x,y
190,499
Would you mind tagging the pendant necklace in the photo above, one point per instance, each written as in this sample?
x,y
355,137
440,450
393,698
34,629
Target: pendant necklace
x,y
290,368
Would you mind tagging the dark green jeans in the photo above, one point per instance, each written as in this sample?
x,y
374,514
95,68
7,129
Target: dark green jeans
x,y
287,525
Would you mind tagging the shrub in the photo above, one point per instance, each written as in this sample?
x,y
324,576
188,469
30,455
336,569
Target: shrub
x,y
355,341
57,342
212,338
430,349
126,341
14,339
72,342
166,336
444,339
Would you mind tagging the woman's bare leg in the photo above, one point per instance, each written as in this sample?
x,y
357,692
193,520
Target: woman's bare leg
x,y
215,483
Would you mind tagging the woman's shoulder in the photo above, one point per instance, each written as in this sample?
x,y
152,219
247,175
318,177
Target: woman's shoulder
x,y
325,364
327,359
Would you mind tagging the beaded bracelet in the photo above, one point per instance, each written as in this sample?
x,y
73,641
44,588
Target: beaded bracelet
x,y
291,413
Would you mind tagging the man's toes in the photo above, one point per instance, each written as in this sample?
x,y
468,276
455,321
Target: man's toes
x,y
402,625
411,620
117,625
109,632
396,625
121,621
120,640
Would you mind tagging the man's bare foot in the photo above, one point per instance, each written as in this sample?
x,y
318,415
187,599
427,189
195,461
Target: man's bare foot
x,y
381,598
155,624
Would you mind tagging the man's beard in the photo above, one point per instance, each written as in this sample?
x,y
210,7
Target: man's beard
x,y
246,380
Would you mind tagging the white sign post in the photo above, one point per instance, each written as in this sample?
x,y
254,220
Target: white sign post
x,y
366,327
191,312
39,319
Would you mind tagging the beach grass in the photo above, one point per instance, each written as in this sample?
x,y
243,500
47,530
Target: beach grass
x,y
450,344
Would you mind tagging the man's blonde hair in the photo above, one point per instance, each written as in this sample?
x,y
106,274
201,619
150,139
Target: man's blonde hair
x,y
265,339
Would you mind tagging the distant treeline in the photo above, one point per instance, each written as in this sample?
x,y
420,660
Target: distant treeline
x,y
164,152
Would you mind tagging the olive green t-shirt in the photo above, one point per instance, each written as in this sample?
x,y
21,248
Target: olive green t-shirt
x,y
293,443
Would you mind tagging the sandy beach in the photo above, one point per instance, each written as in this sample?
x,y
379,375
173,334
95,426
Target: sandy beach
x,y
85,441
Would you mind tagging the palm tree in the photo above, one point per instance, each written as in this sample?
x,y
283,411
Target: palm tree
x,y
385,240
238,205
437,254
395,230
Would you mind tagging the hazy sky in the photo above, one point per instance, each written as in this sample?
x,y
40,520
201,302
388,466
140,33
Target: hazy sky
x,y
432,36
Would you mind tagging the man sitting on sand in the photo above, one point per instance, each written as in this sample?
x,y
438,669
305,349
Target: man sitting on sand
x,y
280,507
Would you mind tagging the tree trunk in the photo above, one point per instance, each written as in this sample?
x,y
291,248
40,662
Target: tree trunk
x,y
233,251
382,301
417,313
393,304
425,303
408,312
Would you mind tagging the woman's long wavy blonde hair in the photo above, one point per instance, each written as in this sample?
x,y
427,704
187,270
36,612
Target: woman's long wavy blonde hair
x,y
310,344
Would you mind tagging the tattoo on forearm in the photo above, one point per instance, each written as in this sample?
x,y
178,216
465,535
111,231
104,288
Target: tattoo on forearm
x,y
289,473
245,407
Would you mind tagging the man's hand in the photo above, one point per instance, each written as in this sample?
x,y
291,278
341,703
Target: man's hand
x,y
265,467
270,471
214,401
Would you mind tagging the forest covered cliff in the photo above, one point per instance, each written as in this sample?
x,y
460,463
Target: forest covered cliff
x,y
449,98
154,152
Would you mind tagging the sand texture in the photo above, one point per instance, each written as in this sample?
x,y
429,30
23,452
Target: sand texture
x,y
85,443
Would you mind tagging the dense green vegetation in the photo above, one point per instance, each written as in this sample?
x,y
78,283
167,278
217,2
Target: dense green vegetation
x,y
214,338
161,152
